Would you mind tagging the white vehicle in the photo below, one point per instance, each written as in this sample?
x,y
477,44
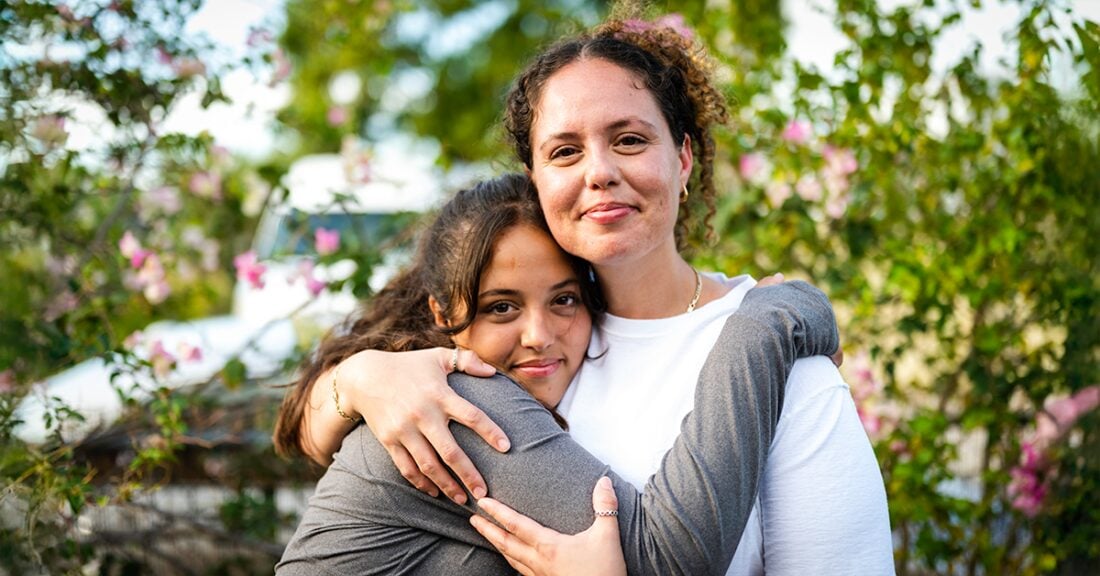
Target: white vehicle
x,y
265,324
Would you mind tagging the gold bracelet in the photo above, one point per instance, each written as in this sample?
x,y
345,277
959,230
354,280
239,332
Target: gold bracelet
x,y
336,397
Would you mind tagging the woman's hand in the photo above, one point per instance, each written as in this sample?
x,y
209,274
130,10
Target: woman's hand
x,y
777,278
405,400
533,549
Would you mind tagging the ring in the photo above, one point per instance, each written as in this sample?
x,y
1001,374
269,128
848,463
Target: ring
x,y
607,512
454,360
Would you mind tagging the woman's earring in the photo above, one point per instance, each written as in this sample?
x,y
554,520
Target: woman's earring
x,y
684,194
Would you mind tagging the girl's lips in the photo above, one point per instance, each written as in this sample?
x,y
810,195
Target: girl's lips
x,y
537,368
607,213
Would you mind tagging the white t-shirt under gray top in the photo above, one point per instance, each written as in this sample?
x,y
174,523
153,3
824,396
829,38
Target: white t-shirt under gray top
x,y
821,507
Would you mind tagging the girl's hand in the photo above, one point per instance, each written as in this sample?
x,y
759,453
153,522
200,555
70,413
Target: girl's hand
x,y
405,400
777,278
533,549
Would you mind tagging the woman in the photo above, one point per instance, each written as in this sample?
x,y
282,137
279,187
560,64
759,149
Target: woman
x,y
490,278
613,128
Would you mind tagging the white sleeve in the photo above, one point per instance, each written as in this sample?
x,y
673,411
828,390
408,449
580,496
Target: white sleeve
x,y
823,500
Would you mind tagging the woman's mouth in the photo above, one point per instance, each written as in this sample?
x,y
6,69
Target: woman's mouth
x,y
607,213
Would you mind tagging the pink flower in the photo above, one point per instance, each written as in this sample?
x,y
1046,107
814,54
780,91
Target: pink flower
x,y
808,188
326,241
7,381
61,304
282,67
676,22
337,116
50,130
1059,414
157,292
206,184
185,67
151,270
778,192
161,360
249,270
840,160
134,340
751,166
837,205
796,132
188,352
871,422
163,56
165,198
259,37
128,245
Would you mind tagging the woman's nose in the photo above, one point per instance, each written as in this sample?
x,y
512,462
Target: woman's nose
x,y
601,170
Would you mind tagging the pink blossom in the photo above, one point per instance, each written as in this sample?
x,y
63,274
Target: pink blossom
x,y
808,188
326,241
128,245
899,447
161,359
337,116
189,352
1060,413
163,56
249,269
157,292
259,37
796,132
165,198
186,66
676,22
751,166
65,12
778,192
837,205
151,270
871,421
206,184
7,381
61,304
134,340
50,130
840,160
305,273
282,67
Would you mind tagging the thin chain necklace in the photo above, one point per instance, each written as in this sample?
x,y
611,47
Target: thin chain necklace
x,y
698,290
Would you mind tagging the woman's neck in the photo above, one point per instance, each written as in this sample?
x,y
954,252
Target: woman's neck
x,y
660,286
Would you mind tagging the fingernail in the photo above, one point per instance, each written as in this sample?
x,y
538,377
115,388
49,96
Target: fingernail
x,y
479,492
503,445
459,497
604,482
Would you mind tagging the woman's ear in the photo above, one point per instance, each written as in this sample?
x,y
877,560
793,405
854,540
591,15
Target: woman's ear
x,y
437,312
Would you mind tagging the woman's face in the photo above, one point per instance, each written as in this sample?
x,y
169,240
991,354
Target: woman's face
x,y
607,169
530,321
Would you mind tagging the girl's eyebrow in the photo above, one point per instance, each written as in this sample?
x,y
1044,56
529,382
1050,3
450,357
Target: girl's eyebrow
x,y
513,292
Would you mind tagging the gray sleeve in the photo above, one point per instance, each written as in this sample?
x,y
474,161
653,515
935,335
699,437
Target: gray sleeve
x,y
688,521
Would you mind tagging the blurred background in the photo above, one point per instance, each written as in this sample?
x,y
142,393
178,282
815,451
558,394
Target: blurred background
x,y
192,193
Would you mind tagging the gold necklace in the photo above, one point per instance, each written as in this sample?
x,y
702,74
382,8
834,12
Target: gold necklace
x,y
698,290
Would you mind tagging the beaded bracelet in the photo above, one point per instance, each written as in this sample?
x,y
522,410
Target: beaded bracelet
x,y
336,397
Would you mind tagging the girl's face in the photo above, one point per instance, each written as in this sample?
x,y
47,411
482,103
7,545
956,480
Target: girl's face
x,y
530,322
607,169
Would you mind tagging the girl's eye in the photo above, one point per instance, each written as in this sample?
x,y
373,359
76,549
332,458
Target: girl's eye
x,y
631,141
567,301
499,308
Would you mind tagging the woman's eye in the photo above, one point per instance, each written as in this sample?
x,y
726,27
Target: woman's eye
x,y
631,141
563,153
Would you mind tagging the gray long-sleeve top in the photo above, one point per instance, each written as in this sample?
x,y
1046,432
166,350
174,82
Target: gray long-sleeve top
x,y
366,519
